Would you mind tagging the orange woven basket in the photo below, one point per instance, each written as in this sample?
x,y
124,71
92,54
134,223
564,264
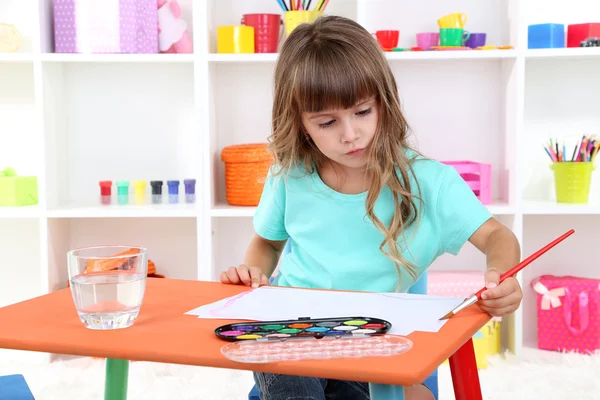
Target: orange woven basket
x,y
246,168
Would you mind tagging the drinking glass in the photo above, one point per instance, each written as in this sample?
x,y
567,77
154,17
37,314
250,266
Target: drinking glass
x,y
108,284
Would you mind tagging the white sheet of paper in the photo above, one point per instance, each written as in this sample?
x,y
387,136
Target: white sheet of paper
x,y
406,312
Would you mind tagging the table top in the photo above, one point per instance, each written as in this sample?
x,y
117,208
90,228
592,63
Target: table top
x,y
163,333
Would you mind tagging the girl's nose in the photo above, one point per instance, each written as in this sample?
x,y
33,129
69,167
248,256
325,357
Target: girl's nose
x,y
350,134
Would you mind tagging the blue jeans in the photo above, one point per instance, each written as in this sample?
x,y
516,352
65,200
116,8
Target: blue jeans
x,y
288,387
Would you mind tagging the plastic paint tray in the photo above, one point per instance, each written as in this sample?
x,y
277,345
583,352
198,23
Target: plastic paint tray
x,y
310,339
281,350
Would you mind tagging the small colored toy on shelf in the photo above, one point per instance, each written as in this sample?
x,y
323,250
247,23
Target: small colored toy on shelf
x,y
246,169
451,35
140,191
388,39
583,35
267,31
553,35
478,176
11,39
173,36
117,26
17,190
568,313
452,31
572,169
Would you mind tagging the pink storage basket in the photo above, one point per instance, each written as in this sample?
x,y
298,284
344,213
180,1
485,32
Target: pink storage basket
x,y
568,313
455,283
478,176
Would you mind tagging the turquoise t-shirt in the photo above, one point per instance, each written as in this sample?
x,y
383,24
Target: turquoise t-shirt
x,y
334,245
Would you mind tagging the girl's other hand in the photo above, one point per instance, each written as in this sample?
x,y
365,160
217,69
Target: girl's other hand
x,y
244,275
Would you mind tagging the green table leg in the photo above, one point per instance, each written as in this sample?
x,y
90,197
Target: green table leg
x,y
115,385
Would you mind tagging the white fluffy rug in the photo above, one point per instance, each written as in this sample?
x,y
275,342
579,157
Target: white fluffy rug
x,y
534,375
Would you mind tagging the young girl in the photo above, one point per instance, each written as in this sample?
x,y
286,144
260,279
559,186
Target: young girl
x,y
360,209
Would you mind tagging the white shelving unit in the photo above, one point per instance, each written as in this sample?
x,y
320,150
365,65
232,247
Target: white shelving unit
x,y
75,119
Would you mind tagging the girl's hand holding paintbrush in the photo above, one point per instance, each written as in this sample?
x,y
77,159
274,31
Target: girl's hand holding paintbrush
x,y
500,299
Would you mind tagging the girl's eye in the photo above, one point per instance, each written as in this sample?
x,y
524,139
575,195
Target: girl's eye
x,y
365,112
326,124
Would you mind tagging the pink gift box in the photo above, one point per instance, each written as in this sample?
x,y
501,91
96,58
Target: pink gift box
x,y
105,26
568,313
477,175
455,283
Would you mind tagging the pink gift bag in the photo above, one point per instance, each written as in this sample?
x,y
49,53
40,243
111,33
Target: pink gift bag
x,y
568,313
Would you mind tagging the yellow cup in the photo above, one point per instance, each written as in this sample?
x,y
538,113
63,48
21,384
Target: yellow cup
x,y
295,18
235,39
456,20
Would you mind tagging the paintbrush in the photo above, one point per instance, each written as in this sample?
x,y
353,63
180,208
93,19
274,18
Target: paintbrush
x,y
511,272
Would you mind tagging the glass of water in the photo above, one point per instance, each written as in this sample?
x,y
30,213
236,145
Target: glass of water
x,y
108,284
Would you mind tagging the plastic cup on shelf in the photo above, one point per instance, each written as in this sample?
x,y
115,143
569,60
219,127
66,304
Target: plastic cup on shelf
x,y
108,284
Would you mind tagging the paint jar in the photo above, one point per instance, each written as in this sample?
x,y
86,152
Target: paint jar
x,y
123,192
173,191
156,191
105,192
190,190
139,192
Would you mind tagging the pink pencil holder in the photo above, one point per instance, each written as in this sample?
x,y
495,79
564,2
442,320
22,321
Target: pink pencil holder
x,y
568,313
478,176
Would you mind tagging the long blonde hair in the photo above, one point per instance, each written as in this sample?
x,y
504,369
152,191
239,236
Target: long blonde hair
x,y
334,63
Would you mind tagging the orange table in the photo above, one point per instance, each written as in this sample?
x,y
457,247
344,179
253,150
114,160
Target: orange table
x,y
162,333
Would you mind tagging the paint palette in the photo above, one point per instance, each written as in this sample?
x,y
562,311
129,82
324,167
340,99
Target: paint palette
x,y
303,328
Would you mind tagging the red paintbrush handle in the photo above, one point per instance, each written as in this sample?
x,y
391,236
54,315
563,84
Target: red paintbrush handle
x,y
513,271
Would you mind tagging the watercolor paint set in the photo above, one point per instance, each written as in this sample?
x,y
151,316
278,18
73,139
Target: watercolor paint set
x,y
310,339
340,327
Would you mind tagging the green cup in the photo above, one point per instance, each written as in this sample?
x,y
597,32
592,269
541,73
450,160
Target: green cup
x,y
453,36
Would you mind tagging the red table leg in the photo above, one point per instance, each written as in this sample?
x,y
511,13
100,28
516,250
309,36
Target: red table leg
x,y
465,377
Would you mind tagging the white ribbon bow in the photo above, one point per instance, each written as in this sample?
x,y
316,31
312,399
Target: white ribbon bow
x,y
549,297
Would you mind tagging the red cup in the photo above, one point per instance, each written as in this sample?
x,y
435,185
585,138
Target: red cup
x,y
388,39
267,31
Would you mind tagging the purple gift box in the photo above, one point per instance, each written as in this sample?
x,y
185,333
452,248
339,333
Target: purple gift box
x,y
105,26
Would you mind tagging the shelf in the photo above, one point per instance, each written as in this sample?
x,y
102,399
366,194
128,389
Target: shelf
x,y
553,208
224,210
16,57
127,211
20,212
391,56
576,53
452,55
145,131
117,58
